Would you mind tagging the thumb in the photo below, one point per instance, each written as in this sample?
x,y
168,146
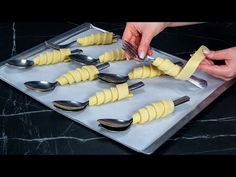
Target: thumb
x,y
218,55
144,45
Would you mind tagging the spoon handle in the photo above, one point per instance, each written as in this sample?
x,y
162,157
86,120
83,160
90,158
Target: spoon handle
x,y
181,100
102,66
136,86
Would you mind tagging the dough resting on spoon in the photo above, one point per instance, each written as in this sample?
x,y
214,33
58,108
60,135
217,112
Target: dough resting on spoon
x,y
97,39
84,73
113,55
52,57
176,71
113,94
145,71
154,111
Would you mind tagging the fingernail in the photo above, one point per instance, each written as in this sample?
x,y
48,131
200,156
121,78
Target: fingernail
x,y
142,54
206,51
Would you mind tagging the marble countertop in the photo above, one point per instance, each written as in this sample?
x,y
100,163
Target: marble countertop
x,y
27,127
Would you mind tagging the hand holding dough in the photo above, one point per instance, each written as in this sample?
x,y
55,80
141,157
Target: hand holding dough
x,y
97,39
113,94
176,71
153,111
114,55
145,71
80,74
53,57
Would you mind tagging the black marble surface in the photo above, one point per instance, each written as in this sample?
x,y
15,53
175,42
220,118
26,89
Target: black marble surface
x,y
27,127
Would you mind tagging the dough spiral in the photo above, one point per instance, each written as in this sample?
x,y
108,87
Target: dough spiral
x,y
113,55
97,39
145,71
53,57
154,111
84,73
113,94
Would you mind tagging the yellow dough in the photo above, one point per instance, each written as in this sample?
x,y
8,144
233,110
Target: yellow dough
x,y
88,72
153,111
176,71
97,39
53,57
146,71
114,55
113,94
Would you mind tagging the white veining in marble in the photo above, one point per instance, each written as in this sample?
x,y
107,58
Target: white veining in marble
x,y
220,119
13,51
212,150
24,113
68,128
202,137
72,23
5,139
41,140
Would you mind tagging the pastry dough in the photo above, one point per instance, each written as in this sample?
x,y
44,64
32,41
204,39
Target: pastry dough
x,y
97,39
114,55
145,71
113,94
153,111
88,72
176,71
53,57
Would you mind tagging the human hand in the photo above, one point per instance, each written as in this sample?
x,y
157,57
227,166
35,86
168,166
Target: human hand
x,y
141,34
226,71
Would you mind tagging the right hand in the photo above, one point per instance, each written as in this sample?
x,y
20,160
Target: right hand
x,y
226,71
141,34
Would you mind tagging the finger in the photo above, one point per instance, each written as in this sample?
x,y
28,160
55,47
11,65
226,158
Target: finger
x,y
133,40
218,55
144,45
219,70
203,68
127,33
206,61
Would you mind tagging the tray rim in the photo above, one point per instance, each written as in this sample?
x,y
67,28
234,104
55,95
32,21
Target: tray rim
x,y
162,139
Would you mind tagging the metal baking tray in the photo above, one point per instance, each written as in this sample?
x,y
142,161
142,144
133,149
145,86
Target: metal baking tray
x,y
144,138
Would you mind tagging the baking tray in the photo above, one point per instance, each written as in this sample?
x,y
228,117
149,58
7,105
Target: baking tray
x,y
144,138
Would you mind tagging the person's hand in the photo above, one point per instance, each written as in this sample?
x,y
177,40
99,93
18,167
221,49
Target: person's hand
x,y
226,71
141,34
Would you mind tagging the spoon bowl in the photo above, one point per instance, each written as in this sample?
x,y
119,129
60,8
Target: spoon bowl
x,y
21,63
84,59
115,124
41,86
113,78
69,105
